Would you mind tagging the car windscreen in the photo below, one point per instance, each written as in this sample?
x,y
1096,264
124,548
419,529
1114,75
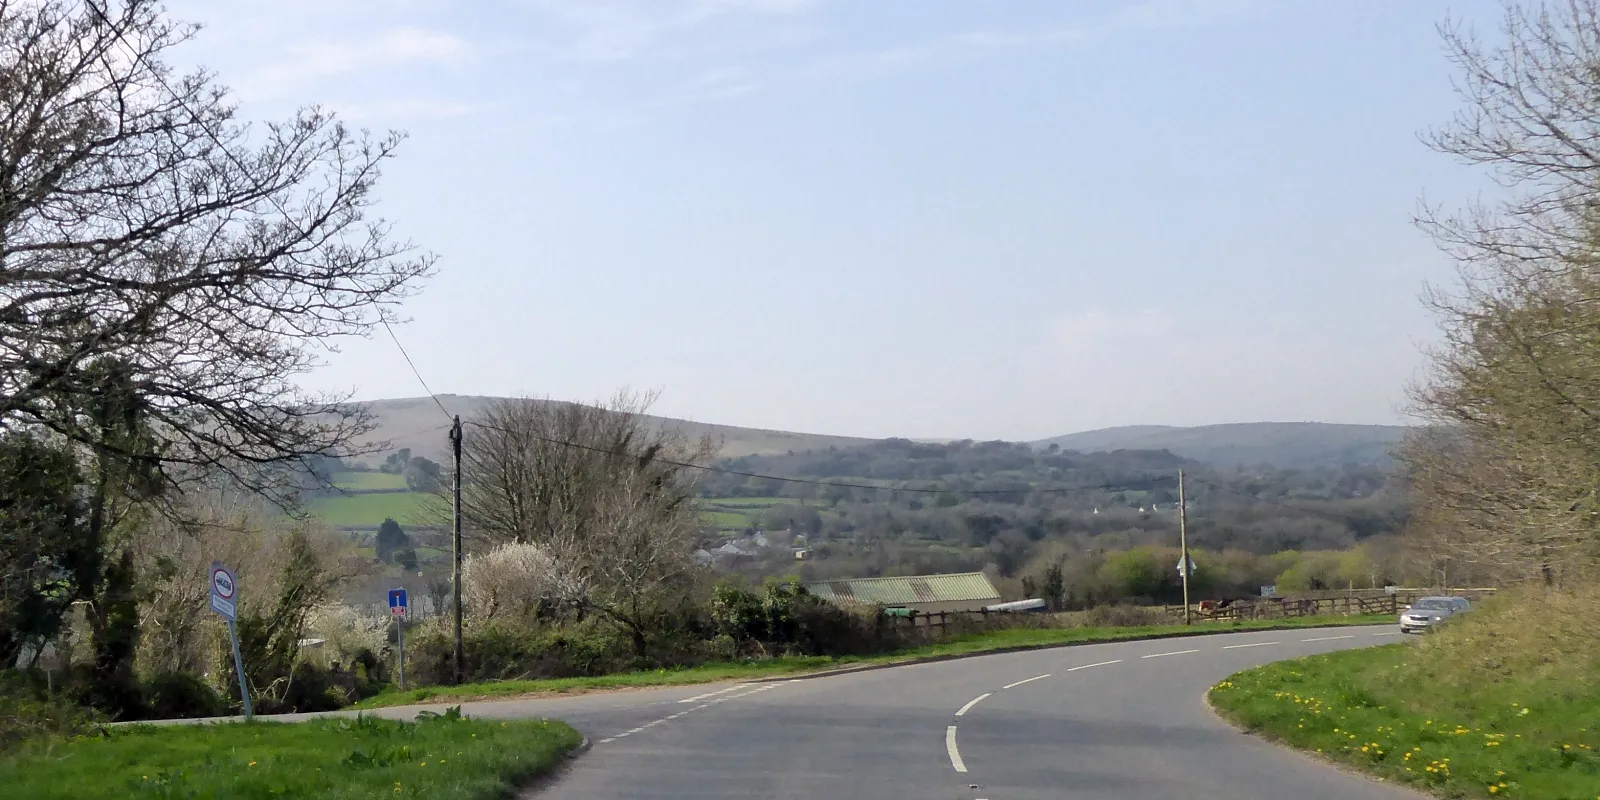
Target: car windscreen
x,y
1432,604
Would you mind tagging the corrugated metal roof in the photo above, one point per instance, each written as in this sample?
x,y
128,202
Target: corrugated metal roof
x,y
907,590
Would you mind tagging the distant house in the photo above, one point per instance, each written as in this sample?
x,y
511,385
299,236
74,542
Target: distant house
x,y
966,591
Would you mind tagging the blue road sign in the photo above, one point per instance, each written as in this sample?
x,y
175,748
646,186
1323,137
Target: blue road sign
x,y
397,602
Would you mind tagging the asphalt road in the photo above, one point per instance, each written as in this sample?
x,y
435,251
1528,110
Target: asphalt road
x,y
1121,720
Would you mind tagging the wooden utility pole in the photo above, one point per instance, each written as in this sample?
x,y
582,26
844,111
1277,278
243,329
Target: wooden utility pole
x,y
1183,544
459,656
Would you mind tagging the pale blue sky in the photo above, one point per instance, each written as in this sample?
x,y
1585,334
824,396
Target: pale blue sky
x,y
892,217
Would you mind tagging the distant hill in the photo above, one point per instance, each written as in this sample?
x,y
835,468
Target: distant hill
x,y
417,423
1279,444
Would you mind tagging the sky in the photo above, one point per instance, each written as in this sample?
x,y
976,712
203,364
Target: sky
x,y
920,218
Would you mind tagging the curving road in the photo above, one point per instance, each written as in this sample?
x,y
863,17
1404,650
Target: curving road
x,y
1123,720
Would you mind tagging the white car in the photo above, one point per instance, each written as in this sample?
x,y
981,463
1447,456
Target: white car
x,y
1430,611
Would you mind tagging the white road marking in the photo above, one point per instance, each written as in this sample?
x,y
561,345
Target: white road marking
x,y
705,705
974,701
950,747
1098,664
1329,638
699,697
1025,680
1252,644
1387,633
1173,653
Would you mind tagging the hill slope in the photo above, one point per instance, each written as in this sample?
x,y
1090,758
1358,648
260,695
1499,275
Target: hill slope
x,y
1281,444
416,422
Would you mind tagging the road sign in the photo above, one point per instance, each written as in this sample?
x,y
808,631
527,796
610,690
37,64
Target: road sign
x,y
224,587
225,601
1182,571
398,605
1269,590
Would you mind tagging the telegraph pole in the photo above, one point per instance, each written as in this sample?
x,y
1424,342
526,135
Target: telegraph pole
x,y
455,549
1183,544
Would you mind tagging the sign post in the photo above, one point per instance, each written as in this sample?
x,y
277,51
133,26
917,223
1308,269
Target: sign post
x,y
398,605
225,601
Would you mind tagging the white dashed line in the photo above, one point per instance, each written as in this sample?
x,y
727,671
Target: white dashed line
x,y
700,697
1388,633
1252,644
950,747
1025,680
1329,638
1098,664
974,701
1173,653
709,703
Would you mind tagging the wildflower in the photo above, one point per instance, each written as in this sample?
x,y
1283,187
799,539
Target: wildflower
x,y
252,763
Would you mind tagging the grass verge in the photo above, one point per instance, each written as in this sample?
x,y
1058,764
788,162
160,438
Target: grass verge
x,y
1501,703
442,756
976,644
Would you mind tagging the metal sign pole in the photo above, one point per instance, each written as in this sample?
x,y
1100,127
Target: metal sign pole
x,y
401,622
238,666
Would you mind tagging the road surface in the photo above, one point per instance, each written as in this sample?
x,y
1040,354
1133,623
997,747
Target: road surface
x,y
1120,721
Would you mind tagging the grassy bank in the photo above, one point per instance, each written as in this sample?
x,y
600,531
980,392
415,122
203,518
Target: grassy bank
x,y
445,756
990,642
1502,703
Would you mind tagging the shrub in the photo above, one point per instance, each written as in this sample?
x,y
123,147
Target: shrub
x,y
27,717
348,630
496,651
182,695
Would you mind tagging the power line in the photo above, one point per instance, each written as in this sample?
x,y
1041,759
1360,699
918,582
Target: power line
x,y
415,371
1152,482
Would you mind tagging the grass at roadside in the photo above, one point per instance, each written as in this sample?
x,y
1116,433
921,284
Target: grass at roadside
x,y
992,641
445,756
1501,703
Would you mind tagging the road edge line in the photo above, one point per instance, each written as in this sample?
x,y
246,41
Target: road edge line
x,y
1025,648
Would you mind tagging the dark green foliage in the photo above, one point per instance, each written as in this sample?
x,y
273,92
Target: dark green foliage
x,y
391,539
502,652
27,713
786,619
269,640
182,695
44,541
1054,591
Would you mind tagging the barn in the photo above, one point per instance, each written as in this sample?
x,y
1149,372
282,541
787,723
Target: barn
x,y
965,591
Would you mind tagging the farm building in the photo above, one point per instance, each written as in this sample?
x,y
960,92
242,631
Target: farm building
x,y
966,591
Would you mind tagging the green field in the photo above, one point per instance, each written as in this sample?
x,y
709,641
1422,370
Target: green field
x,y
441,756
369,510
1501,703
368,481
725,520
746,502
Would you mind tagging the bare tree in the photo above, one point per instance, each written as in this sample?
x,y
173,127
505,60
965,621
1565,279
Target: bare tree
x,y
142,221
604,489
1506,483
538,470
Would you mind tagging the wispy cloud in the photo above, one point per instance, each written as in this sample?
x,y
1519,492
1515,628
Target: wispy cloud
x,y
946,49
620,30
389,111
314,60
1182,13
